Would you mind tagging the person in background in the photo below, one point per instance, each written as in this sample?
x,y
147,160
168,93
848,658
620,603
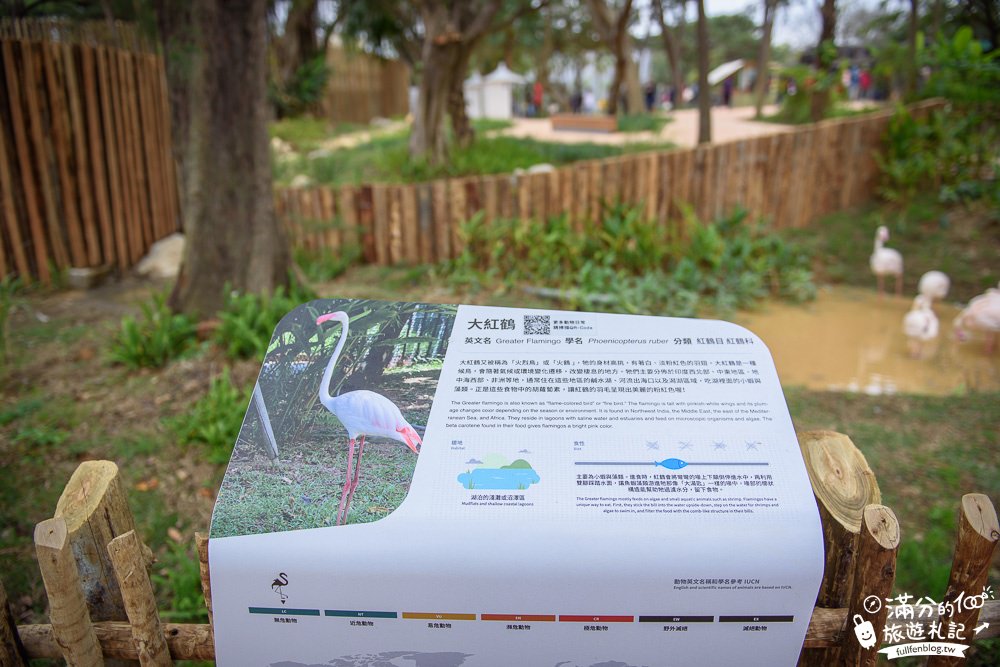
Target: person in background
x,y
576,101
537,95
727,92
865,83
650,93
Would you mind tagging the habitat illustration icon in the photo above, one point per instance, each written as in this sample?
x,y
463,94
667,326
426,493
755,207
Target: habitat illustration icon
x,y
498,472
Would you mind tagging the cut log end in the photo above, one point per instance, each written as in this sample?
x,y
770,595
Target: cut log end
x,y
51,533
981,516
882,525
85,490
841,478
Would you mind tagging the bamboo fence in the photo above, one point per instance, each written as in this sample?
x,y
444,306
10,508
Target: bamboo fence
x,y
790,178
101,604
362,87
87,176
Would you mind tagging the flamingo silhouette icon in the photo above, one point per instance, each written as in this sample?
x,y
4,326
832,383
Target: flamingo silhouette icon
x,y
278,584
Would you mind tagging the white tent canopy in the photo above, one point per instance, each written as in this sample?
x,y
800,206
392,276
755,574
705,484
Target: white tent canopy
x,y
492,96
724,71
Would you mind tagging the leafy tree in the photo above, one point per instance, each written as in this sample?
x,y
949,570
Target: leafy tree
x,y
673,37
704,92
764,57
440,36
612,25
826,58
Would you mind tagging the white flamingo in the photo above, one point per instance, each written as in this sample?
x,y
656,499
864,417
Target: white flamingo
x,y
983,314
934,285
886,262
920,325
363,413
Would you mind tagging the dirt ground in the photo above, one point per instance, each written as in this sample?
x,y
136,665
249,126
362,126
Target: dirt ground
x,y
728,124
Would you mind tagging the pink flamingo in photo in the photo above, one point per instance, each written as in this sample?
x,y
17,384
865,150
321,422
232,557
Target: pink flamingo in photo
x,y
363,413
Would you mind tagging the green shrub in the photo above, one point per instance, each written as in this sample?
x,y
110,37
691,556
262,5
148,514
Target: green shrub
x,y
632,264
10,290
642,122
153,339
179,577
215,420
324,264
248,320
948,152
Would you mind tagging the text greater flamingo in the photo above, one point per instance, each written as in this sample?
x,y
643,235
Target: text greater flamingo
x,y
363,413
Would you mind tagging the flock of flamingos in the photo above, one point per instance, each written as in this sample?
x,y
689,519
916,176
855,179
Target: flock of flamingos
x,y
920,325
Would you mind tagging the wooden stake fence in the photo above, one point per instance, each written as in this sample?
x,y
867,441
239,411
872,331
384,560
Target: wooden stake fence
x,y
790,178
86,169
861,538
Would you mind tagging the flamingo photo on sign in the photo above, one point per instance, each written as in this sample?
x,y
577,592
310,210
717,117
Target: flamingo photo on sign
x,y
335,425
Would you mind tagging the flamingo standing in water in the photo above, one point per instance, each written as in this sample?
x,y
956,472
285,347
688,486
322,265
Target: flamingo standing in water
x,y
982,313
886,262
920,325
362,413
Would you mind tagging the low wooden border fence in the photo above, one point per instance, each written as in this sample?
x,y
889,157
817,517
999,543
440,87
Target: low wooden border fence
x,y
791,178
101,603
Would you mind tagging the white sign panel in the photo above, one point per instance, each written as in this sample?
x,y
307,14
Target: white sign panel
x,y
426,485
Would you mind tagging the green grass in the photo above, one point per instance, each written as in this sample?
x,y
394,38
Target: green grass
x,y
645,122
386,158
926,452
960,240
305,134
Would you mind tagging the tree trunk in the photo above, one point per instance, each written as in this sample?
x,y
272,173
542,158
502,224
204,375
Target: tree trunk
x,y
821,95
614,93
457,108
633,87
428,138
672,45
233,236
764,57
296,46
704,92
911,67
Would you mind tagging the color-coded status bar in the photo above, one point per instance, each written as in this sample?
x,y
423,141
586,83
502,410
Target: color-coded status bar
x,y
520,618
438,617
596,619
282,611
756,619
676,619
350,613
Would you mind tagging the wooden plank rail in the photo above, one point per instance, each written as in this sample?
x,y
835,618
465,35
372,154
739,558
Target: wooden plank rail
x,y
845,488
83,145
790,178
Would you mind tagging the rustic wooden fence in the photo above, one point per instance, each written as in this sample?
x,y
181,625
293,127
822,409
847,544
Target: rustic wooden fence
x,y
362,87
87,177
789,178
101,603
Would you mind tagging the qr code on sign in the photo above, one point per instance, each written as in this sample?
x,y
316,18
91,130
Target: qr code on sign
x,y
537,325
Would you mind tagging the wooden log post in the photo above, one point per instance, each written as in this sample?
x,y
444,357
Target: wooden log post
x,y
201,542
874,575
844,485
11,650
71,626
95,508
978,532
140,602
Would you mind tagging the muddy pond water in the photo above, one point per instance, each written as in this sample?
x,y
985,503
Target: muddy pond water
x,y
850,340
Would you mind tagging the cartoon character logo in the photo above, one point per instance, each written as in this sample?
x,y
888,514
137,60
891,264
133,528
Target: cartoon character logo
x,y
280,582
864,631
